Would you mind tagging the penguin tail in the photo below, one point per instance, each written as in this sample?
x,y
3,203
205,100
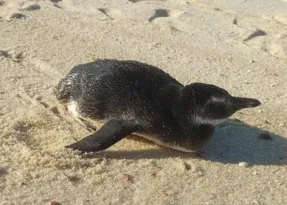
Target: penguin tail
x,y
63,90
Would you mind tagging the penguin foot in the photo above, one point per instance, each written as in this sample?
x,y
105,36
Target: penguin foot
x,y
85,146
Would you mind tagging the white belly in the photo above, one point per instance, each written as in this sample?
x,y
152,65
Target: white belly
x,y
73,110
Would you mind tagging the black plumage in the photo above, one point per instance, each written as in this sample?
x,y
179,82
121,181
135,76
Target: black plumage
x,y
135,97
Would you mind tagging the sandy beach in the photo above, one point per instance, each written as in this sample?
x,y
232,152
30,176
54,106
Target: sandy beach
x,y
240,46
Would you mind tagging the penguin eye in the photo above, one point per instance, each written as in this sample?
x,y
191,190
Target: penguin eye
x,y
216,110
219,107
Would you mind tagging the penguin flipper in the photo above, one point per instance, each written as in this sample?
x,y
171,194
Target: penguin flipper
x,y
110,133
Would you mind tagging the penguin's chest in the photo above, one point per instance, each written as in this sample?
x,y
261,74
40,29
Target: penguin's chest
x,y
94,124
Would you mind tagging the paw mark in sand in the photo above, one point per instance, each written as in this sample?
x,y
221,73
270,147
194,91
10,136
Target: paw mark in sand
x,y
258,32
159,13
2,3
235,21
30,7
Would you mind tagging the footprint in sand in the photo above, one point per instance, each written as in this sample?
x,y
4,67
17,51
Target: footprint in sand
x,y
270,38
163,13
52,108
56,109
273,44
16,15
9,16
56,3
14,55
37,100
254,34
11,13
90,9
111,13
30,6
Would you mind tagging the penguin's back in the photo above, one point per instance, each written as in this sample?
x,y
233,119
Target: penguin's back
x,y
113,88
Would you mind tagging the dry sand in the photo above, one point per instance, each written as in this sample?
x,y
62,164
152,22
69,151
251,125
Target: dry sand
x,y
238,45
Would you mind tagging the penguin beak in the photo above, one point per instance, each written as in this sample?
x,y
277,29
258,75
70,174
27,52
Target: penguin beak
x,y
240,103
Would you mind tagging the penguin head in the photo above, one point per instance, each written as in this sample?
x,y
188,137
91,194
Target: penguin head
x,y
210,104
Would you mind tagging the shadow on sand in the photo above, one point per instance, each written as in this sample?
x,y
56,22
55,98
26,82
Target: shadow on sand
x,y
233,142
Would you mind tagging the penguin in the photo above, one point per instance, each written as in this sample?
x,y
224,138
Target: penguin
x,y
115,98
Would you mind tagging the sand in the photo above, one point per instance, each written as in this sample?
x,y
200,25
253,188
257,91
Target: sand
x,y
238,45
